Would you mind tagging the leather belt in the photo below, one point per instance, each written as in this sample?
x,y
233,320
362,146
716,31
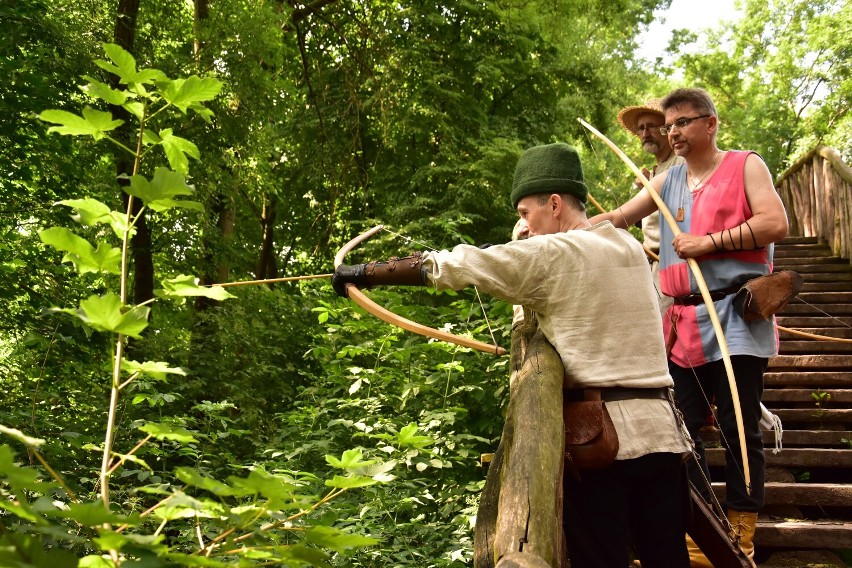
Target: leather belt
x,y
698,299
612,394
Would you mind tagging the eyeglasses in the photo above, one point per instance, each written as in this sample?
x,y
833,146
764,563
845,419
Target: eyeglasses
x,y
649,127
680,123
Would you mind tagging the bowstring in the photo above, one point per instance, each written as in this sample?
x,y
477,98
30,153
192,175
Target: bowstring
x,y
823,312
695,456
599,160
410,240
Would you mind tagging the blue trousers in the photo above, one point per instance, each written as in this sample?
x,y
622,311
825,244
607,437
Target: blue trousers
x,y
642,499
694,387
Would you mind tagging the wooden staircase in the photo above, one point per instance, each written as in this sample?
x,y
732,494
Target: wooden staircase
x,y
809,386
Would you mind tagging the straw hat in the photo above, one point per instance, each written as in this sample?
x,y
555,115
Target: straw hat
x,y
629,116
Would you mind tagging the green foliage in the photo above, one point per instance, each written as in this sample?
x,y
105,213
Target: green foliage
x,y
780,77
285,422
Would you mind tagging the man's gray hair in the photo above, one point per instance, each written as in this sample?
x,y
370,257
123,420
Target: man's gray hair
x,y
698,98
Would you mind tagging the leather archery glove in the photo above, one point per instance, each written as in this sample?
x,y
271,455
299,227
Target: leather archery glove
x,y
406,271
348,274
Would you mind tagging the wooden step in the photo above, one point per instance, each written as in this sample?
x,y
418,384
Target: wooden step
x,y
802,251
833,286
825,277
814,415
814,379
813,321
838,332
833,396
812,346
811,438
793,457
812,494
814,309
824,298
810,362
794,534
796,240
807,265
806,262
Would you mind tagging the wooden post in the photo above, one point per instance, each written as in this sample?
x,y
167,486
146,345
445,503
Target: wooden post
x,y
524,530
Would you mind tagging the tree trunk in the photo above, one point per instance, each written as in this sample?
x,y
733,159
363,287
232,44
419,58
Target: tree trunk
x,y
143,263
266,265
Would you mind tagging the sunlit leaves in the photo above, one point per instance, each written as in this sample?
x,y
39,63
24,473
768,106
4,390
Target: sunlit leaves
x,y
154,369
177,149
165,431
159,194
20,436
186,286
124,66
336,540
351,459
94,123
107,313
102,91
188,93
79,251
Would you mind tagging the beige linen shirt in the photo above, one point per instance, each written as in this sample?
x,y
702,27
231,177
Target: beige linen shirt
x,y
592,292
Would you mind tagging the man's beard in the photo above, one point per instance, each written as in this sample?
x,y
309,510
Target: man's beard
x,y
651,146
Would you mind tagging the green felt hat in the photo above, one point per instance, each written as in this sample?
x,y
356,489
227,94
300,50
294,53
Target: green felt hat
x,y
554,168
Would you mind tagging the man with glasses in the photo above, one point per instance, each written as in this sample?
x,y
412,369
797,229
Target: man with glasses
x,y
730,214
644,121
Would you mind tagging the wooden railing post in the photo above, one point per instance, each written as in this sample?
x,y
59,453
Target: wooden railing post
x,y
519,519
817,192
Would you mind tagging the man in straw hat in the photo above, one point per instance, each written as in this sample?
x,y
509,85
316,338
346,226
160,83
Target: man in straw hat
x,y
729,214
591,290
644,121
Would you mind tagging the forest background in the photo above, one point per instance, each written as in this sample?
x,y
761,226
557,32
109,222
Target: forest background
x,y
148,420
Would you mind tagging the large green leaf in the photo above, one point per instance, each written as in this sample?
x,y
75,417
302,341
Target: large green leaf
x,y
159,193
351,482
107,313
93,514
104,92
194,478
124,66
350,459
177,149
154,369
185,93
337,540
80,252
408,438
185,286
92,212
165,431
93,123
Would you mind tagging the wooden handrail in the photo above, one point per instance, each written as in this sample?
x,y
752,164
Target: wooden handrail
x,y
817,192
519,521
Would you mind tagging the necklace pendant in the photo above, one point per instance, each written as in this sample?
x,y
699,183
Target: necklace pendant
x,y
679,214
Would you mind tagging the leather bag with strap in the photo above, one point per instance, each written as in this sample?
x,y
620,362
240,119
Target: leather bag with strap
x,y
767,295
590,438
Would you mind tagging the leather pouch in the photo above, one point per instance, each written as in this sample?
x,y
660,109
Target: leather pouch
x,y
590,438
767,295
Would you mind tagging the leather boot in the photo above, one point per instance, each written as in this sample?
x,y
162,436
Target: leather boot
x,y
696,557
743,525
